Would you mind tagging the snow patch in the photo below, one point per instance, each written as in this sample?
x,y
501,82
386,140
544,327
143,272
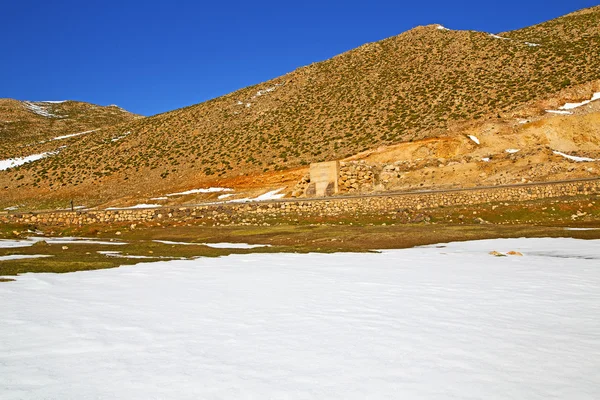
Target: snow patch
x,y
136,206
272,195
72,135
571,106
532,44
474,138
15,162
116,139
30,241
22,256
224,196
226,245
40,110
421,323
512,151
485,159
204,190
559,112
498,37
574,158
223,245
442,28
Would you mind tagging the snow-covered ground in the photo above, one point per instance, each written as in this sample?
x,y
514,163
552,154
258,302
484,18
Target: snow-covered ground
x,y
39,109
15,162
564,110
222,245
202,190
30,241
440,322
143,205
474,139
72,135
574,158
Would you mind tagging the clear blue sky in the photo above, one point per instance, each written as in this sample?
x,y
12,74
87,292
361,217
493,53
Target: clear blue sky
x,y
151,56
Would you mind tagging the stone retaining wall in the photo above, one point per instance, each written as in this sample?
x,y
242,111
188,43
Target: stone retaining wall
x,y
257,213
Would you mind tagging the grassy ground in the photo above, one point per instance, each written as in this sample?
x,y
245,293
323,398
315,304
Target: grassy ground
x,y
354,233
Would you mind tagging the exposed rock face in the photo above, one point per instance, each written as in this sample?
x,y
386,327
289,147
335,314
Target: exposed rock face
x,y
357,177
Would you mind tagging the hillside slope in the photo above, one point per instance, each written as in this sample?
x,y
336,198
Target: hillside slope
x,y
421,84
24,124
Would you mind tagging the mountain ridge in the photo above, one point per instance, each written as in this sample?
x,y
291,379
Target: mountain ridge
x,y
419,84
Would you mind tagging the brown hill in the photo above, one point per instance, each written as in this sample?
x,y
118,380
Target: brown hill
x,y
24,124
425,83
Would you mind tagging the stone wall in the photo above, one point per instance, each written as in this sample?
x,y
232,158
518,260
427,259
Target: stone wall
x,y
357,177
293,209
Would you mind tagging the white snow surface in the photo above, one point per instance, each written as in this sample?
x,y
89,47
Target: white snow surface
x,y
72,135
561,112
22,256
571,106
116,139
222,245
512,151
442,28
15,162
474,138
135,206
225,245
574,158
204,190
437,322
39,109
30,241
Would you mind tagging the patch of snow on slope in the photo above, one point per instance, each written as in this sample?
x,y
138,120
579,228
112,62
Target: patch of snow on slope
x,y
53,101
117,254
136,206
116,139
442,28
30,241
15,162
23,256
512,151
224,196
272,195
267,90
532,44
474,138
204,190
574,158
72,135
40,110
571,106
498,37
559,112
422,323
485,159
223,245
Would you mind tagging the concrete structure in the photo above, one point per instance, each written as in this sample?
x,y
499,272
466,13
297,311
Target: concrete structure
x,y
323,179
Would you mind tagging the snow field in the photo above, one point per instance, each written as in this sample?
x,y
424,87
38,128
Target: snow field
x,y
437,322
